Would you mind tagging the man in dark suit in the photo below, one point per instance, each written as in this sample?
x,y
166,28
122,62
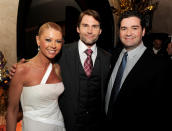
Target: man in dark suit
x,y
158,47
139,100
82,103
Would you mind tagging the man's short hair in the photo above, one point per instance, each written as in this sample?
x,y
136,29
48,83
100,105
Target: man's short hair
x,y
132,13
89,12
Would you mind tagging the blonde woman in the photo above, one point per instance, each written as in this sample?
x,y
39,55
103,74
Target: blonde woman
x,y
38,84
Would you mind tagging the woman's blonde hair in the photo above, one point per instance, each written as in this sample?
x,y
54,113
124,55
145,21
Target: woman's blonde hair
x,y
49,25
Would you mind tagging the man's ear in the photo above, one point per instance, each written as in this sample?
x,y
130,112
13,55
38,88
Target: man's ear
x,y
100,31
143,32
77,29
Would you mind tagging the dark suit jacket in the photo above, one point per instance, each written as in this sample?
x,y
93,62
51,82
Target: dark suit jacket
x,y
69,64
142,98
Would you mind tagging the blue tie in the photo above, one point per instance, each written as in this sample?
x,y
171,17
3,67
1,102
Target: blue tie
x,y
116,85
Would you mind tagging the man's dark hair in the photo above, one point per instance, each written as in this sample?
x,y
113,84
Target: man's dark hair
x,y
131,13
89,12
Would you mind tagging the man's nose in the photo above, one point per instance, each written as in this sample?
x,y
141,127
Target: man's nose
x,y
129,32
89,29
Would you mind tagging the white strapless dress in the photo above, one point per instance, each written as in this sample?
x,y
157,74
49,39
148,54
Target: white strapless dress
x,y
41,111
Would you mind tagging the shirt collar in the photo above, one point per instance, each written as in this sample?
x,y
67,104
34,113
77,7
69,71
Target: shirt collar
x,y
82,47
135,51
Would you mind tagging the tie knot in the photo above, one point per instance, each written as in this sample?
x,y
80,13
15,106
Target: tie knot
x,y
126,54
88,52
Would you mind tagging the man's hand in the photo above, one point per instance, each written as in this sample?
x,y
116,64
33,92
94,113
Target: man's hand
x,y
14,66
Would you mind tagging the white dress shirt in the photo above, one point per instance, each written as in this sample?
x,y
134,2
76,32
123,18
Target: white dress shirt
x,y
155,50
82,47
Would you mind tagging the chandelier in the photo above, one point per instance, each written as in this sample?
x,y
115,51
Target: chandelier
x,y
143,6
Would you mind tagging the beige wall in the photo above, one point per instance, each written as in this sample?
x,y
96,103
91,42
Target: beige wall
x,y
8,20
162,19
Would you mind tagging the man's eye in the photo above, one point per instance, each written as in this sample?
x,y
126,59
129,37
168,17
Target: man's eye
x,y
135,28
96,26
123,28
85,25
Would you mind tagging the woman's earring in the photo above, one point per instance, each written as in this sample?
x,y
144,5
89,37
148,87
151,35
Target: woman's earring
x,y
38,48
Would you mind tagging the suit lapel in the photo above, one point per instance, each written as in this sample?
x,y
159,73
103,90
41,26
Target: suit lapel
x,y
104,70
114,60
134,73
100,57
73,58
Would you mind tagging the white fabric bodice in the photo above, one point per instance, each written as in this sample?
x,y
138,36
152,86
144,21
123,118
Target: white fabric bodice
x,y
40,103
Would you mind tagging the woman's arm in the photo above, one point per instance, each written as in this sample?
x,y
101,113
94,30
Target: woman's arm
x,y
15,89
